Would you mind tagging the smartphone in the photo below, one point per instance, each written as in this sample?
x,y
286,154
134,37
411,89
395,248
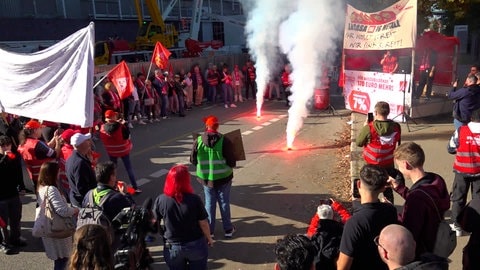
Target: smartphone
x,y
355,192
370,117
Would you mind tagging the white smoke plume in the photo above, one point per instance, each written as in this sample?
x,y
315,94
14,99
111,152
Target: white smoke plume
x,y
264,18
308,32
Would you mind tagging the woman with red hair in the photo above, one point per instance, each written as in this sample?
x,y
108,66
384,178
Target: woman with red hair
x,y
186,234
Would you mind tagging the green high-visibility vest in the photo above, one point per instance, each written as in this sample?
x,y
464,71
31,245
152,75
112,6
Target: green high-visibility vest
x,y
211,164
98,195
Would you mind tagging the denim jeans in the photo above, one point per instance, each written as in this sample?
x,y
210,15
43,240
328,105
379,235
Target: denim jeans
x,y
163,109
227,93
60,264
128,166
222,195
192,255
212,93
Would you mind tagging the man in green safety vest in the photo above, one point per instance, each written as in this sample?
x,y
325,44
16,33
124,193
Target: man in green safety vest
x,y
212,153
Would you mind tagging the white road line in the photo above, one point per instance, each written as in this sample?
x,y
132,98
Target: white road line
x,y
159,173
266,124
247,132
257,128
142,181
274,120
190,141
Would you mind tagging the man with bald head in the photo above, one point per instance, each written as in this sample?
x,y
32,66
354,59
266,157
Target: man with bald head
x,y
396,247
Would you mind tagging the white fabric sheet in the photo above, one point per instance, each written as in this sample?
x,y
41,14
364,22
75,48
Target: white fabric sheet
x,y
54,84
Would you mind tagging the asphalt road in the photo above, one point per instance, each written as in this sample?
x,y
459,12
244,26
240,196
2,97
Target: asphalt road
x,y
274,192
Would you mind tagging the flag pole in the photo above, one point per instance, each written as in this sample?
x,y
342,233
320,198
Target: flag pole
x,y
101,79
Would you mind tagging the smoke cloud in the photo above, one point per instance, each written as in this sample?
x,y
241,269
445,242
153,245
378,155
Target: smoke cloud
x,y
307,31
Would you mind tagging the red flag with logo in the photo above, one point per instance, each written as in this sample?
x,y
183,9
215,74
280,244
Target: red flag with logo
x,y
160,56
122,79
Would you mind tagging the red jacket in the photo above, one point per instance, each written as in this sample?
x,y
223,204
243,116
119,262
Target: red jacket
x,y
467,159
379,151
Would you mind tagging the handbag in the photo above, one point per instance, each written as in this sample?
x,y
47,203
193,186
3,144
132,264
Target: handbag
x,y
446,238
56,225
40,225
148,101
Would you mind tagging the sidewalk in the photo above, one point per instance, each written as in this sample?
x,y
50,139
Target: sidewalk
x,y
432,134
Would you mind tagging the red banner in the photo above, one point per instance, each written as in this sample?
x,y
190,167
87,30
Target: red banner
x,y
122,79
160,56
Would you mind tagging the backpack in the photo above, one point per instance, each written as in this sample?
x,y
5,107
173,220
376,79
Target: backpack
x,y
93,213
446,239
327,244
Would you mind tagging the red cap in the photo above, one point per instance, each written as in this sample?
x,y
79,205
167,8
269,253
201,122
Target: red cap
x,y
210,120
67,134
110,114
33,124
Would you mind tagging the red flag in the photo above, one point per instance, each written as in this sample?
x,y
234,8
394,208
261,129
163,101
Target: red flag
x,y
160,56
122,79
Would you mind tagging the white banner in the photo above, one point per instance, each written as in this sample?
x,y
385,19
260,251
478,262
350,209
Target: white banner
x,y
363,89
391,28
54,84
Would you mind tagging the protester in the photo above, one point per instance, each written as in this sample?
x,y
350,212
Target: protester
x,y
325,232
65,153
198,82
159,83
357,249
186,231
36,152
419,214
116,139
466,166
287,82
469,220
213,78
427,69
238,78
389,62
294,252
379,139
227,88
397,249
91,249
250,76
79,170
213,156
467,99
10,204
187,83
57,249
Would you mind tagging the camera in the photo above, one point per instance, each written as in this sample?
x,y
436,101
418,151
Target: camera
x,y
133,224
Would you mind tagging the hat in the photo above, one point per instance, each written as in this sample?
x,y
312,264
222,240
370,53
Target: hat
x,y
325,211
67,134
110,114
33,124
79,138
210,120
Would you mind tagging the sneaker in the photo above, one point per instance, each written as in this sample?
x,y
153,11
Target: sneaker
x,y
458,230
8,250
226,106
141,122
130,125
229,233
165,117
137,191
233,105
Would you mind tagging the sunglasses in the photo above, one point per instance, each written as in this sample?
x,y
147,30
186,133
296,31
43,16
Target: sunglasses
x,y
375,240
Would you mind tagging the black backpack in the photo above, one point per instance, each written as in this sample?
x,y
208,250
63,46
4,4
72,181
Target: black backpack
x,y
327,244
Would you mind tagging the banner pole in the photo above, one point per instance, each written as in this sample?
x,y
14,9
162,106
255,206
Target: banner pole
x,y
99,81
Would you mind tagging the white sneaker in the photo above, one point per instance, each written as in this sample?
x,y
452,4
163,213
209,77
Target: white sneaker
x,y
233,105
140,122
226,106
130,125
458,230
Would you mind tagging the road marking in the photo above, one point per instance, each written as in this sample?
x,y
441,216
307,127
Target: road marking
x,y
247,132
274,120
142,181
266,124
190,141
257,128
159,173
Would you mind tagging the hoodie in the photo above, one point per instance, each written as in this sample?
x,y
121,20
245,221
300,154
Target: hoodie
x,y
419,214
383,128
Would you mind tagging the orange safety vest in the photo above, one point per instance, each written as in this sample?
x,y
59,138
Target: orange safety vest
x,y
379,151
27,150
467,159
114,143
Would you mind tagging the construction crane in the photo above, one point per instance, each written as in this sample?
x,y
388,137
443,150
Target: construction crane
x,y
150,32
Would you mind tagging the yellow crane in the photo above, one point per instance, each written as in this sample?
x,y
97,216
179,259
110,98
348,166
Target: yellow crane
x,y
150,32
